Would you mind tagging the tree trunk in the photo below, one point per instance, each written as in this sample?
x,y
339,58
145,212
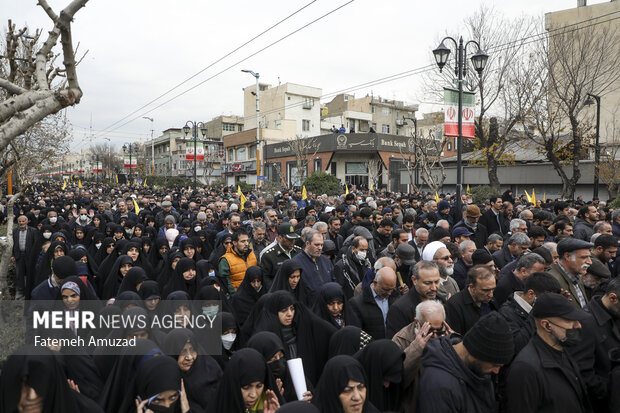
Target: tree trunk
x,y
557,165
7,251
492,172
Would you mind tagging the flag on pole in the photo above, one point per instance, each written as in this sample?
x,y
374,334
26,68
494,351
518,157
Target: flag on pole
x,y
242,198
346,189
135,206
64,184
529,198
468,192
144,183
545,196
80,183
116,178
533,201
304,194
436,197
451,113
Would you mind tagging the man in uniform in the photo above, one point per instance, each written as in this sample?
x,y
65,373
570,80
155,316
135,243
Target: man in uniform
x,y
284,249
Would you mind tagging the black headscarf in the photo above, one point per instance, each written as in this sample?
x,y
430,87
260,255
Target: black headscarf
x,y
44,271
134,276
167,274
102,252
336,375
179,283
281,283
106,265
310,334
383,361
246,296
327,294
41,370
141,260
348,341
158,375
202,378
115,278
246,366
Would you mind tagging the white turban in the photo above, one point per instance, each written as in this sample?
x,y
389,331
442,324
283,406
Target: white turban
x,y
429,251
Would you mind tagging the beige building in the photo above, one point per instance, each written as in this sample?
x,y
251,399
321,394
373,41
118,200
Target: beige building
x,y
291,108
599,17
360,114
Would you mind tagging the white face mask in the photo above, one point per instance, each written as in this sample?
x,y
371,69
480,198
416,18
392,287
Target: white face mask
x,y
47,235
53,220
98,245
361,255
196,229
228,340
83,217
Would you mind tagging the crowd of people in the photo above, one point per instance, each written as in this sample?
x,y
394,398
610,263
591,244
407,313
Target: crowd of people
x,y
393,302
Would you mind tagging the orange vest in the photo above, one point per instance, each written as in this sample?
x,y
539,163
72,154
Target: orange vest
x,y
238,266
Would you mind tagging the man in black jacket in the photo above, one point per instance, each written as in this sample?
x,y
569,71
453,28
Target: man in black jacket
x,y
471,303
471,216
515,280
24,238
372,305
382,236
494,219
425,286
601,333
350,270
544,377
516,246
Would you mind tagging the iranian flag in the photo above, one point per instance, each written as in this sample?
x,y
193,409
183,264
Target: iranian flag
x,y
189,151
451,119
133,160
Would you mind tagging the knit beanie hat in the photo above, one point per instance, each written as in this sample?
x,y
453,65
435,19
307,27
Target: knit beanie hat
x,y
490,340
481,257
64,267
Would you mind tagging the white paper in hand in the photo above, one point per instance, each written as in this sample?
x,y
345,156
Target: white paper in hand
x,y
296,368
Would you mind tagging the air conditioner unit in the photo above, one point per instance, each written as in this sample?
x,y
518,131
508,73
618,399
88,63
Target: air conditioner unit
x,y
308,104
400,123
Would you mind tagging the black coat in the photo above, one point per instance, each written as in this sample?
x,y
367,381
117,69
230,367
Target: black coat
x,y
522,326
600,333
489,220
537,382
479,236
369,313
402,312
462,313
507,285
502,257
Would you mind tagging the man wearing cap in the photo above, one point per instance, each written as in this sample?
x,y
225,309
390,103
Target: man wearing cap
x,y
457,374
574,261
471,215
443,211
595,279
404,258
62,267
461,234
284,249
494,219
544,377
425,284
165,211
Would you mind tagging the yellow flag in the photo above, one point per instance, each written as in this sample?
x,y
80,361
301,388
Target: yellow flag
x,y
436,197
533,201
529,198
64,184
144,183
346,189
80,183
468,192
242,198
116,178
304,194
545,196
372,187
135,205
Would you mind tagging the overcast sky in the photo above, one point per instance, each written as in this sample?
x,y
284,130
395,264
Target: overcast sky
x,y
139,49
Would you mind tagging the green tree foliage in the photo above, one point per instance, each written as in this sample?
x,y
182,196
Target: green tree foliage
x,y
481,193
323,183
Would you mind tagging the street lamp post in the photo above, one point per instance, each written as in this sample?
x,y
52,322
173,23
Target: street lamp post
x,y
189,125
96,159
479,61
129,147
259,152
597,148
152,146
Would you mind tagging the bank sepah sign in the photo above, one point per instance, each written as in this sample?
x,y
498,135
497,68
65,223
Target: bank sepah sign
x,y
356,142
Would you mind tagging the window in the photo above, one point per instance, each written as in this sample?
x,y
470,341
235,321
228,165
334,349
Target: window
x,y
374,126
228,127
334,168
317,165
385,111
242,154
449,146
262,88
385,128
305,125
231,156
372,109
253,152
239,128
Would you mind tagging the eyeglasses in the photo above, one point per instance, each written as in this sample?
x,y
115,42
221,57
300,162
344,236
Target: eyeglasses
x,y
446,258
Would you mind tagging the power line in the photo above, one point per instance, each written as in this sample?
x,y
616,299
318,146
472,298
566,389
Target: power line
x,y
213,63
238,62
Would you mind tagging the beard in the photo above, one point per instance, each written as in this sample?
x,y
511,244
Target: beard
x,y
446,271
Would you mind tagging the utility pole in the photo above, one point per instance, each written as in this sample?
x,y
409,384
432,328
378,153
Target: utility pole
x,y
152,146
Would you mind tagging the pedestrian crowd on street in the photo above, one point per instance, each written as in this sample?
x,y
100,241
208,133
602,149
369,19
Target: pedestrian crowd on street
x,y
394,302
